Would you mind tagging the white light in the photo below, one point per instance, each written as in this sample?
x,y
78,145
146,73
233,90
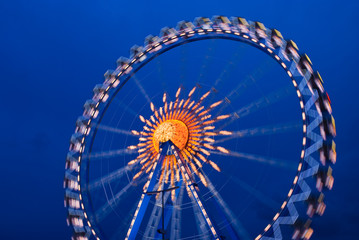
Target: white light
x,y
295,180
290,192
298,93
300,166
268,226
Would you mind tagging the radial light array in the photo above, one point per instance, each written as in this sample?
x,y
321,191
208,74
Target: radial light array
x,y
190,126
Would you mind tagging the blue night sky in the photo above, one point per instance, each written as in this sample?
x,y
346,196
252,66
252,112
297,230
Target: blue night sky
x,y
54,52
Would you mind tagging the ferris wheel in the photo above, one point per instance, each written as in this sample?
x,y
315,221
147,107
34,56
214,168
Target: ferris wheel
x,y
198,135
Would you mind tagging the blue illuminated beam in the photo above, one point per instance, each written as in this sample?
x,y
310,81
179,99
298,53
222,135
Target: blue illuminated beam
x,y
143,203
191,185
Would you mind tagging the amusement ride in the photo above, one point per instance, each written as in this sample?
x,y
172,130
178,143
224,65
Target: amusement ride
x,y
199,134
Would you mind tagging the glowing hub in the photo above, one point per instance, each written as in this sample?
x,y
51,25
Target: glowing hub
x,y
173,130
188,123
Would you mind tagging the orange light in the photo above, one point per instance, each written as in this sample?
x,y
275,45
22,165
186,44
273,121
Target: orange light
x,y
173,130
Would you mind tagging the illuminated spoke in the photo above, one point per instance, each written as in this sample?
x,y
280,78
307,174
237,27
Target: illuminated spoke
x,y
125,107
183,64
250,79
231,64
206,61
115,130
160,71
263,102
177,215
258,104
139,85
260,131
265,200
111,153
200,221
112,203
109,177
242,85
234,221
126,218
260,159
154,221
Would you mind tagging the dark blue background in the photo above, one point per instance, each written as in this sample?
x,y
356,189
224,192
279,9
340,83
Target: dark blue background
x,y
54,52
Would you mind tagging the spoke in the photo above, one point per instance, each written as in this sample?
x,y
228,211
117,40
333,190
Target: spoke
x,y
265,101
139,85
154,221
231,64
111,153
206,61
124,219
260,131
115,130
238,226
111,204
109,177
177,215
126,107
183,65
265,200
160,71
250,79
242,85
200,221
258,104
258,158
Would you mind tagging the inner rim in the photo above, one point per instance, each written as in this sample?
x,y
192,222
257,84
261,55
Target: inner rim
x,y
131,75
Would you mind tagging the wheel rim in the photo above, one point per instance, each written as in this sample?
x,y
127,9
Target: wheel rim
x,y
316,156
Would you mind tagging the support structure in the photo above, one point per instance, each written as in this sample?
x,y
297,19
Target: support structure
x,y
162,231
193,188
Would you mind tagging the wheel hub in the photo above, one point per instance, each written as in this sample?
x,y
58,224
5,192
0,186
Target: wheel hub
x,y
174,130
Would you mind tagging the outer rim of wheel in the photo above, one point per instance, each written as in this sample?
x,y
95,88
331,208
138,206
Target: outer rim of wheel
x,y
314,104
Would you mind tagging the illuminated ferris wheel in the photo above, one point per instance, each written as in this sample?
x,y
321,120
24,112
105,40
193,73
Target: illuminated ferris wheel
x,y
199,136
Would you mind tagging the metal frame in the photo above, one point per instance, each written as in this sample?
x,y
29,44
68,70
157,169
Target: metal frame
x,y
318,154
